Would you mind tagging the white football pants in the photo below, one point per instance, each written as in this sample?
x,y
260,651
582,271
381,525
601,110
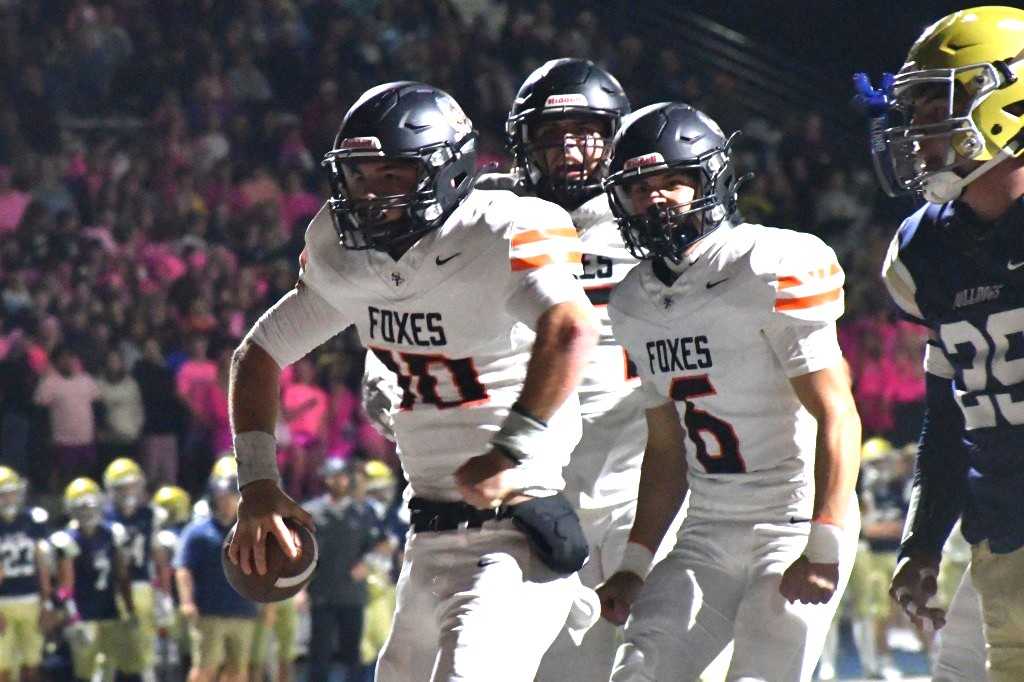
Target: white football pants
x,y
721,584
473,605
961,656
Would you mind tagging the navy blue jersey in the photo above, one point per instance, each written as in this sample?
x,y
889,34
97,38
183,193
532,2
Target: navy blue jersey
x,y
965,282
18,542
95,561
199,549
883,498
140,529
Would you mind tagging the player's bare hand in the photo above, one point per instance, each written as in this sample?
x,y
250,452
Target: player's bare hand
x,y
617,595
359,572
481,480
809,583
915,581
261,512
189,612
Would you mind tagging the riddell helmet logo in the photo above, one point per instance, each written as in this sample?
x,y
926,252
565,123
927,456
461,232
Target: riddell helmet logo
x,y
651,159
361,143
575,100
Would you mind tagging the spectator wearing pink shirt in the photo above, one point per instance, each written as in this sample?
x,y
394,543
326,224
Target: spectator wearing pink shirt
x,y
304,409
13,202
297,205
69,393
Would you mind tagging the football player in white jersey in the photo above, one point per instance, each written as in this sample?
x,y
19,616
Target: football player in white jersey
x,y
732,327
559,132
470,298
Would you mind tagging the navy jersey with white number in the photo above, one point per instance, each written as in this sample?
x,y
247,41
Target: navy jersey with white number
x,y
95,559
18,542
966,283
139,533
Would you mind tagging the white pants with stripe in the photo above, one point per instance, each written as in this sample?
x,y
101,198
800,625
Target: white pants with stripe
x,y
721,584
473,605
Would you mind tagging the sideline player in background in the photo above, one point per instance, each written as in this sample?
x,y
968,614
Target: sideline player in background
x,y
175,506
950,127
92,571
125,485
25,584
469,297
733,329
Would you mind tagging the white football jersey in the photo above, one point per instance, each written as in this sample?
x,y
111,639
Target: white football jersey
x,y
605,469
755,306
452,319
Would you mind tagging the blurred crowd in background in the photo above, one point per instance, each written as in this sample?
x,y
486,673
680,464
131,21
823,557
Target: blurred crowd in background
x,y
159,162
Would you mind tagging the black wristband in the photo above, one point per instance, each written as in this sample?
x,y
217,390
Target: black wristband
x,y
516,407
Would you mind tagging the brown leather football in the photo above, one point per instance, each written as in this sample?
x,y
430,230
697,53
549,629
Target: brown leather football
x,y
284,577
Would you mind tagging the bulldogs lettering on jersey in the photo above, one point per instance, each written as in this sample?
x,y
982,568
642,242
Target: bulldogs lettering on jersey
x,y
755,307
451,319
961,284
94,558
139,532
19,541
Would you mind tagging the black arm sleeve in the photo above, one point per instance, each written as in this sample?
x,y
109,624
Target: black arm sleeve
x,y
940,473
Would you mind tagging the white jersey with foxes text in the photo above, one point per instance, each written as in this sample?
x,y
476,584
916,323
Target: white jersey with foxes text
x,y
755,307
452,319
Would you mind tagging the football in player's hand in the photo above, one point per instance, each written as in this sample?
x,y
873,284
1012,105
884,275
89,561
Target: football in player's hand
x,y
284,577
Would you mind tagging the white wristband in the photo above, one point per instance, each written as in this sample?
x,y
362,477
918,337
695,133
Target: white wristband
x,y
823,543
637,559
520,435
256,454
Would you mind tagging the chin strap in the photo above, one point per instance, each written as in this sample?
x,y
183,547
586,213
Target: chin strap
x,y
947,186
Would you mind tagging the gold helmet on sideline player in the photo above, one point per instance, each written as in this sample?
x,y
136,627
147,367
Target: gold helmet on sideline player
x,y
176,502
12,493
83,502
125,482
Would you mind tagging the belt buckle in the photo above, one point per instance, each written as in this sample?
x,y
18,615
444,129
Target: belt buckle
x,y
463,525
434,524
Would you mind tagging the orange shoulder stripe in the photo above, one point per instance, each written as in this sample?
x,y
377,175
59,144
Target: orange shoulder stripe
x,y
520,264
807,301
540,235
788,281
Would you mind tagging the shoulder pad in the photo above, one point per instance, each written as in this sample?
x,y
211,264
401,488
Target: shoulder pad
x,y
119,534
806,274
167,539
899,280
64,543
39,515
541,233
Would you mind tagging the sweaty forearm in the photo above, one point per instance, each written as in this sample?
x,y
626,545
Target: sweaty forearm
x,y
253,389
662,489
836,462
565,336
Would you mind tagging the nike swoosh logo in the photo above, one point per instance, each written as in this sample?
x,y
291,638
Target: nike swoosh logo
x,y
794,519
711,285
1010,265
442,261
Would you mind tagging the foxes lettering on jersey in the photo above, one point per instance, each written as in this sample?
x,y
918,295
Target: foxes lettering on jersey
x,y
756,298
452,320
755,307
423,318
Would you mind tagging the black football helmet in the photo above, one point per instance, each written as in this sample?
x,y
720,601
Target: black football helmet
x,y
663,137
563,88
402,120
